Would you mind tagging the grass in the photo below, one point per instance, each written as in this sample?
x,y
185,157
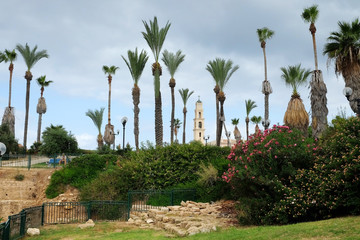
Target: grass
x,y
337,228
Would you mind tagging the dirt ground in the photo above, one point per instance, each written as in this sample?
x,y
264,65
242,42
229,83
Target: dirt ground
x,y
16,195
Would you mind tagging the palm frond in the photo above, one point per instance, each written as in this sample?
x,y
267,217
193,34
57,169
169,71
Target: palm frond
x,y
185,95
9,56
31,56
295,76
255,119
110,70
264,34
310,14
221,71
97,117
235,121
250,105
41,81
136,63
172,61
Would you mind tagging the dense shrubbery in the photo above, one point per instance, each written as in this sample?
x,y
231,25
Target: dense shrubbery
x,y
168,167
260,168
79,172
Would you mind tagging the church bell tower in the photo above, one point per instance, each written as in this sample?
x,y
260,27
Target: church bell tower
x,y
199,129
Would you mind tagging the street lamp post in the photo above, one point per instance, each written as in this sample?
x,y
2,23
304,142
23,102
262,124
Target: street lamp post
x,y
123,121
348,92
206,138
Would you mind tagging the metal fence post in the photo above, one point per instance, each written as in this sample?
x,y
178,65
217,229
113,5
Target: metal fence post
x,y
42,214
129,204
22,223
29,161
6,234
89,210
0,161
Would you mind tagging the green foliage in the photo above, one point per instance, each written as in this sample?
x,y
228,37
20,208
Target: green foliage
x,y
35,148
207,175
260,168
57,140
79,172
19,177
8,139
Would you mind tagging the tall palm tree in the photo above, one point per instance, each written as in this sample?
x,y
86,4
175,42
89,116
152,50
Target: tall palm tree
x,y
344,48
172,62
256,120
319,110
177,125
296,115
41,106
136,64
9,116
237,134
109,136
221,71
97,117
31,57
185,95
155,38
264,34
250,105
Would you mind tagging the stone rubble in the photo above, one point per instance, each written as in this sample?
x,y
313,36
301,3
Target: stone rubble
x,y
187,219
89,224
33,231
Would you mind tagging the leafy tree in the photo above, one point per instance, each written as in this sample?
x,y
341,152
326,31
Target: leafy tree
x,y
57,140
9,116
221,71
172,62
177,124
296,115
41,106
185,95
136,66
109,136
155,38
31,57
264,34
97,117
343,48
319,110
8,139
250,105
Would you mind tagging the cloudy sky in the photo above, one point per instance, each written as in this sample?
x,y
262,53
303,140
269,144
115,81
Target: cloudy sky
x,y
82,36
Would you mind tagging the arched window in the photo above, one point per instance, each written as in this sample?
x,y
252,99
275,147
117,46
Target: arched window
x,y
200,135
200,124
199,114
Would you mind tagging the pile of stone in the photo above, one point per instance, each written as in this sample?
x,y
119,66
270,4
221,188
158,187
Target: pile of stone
x,y
187,219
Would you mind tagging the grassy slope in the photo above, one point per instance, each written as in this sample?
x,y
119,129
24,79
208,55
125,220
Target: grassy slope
x,y
339,228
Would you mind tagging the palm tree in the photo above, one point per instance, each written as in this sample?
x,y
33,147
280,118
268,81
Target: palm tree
x,y
9,116
172,62
296,115
237,134
155,38
250,105
109,136
97,117
263,35
319,110
41,106
136,64
185,95
221,71
177,125
256,120
343,47
31,57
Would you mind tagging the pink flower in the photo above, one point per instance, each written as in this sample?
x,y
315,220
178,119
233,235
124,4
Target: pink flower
x,y
275,156
245,167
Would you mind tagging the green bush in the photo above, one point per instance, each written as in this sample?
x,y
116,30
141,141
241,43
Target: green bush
x,y
260,169
19,177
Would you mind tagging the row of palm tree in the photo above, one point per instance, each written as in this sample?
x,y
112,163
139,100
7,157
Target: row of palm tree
x,y
31,57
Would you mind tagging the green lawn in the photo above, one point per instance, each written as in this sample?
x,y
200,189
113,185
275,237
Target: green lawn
x,y
338,228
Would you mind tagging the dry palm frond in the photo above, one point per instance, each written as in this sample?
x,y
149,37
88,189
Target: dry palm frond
x,y
9,119
296,115
41,106
109,136
237,134
266,87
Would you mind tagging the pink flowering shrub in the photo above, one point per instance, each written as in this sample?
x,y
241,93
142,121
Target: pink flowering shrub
x,y
261,169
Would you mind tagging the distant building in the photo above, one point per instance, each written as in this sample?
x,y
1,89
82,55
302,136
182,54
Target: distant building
x,y
223,142
199,127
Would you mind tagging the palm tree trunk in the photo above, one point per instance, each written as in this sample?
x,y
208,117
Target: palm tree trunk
x,y
265,67
351,79
100,141
319,110
220,123
28,77
266,108
184,126
136,101
109,100
315,51
172,112
39,128
247,128
11,68
158,121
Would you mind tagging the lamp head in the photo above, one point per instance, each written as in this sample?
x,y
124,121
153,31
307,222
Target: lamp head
x,y
347,92
265,123
124,120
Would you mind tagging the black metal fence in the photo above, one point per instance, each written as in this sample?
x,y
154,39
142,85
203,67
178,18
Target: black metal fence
x,y
71,212
34,161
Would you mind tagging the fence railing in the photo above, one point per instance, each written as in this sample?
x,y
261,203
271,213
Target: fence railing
x,y
33,161
71,212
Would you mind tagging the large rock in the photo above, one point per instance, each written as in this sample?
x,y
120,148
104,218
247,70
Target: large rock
x,y
33,231
89,224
